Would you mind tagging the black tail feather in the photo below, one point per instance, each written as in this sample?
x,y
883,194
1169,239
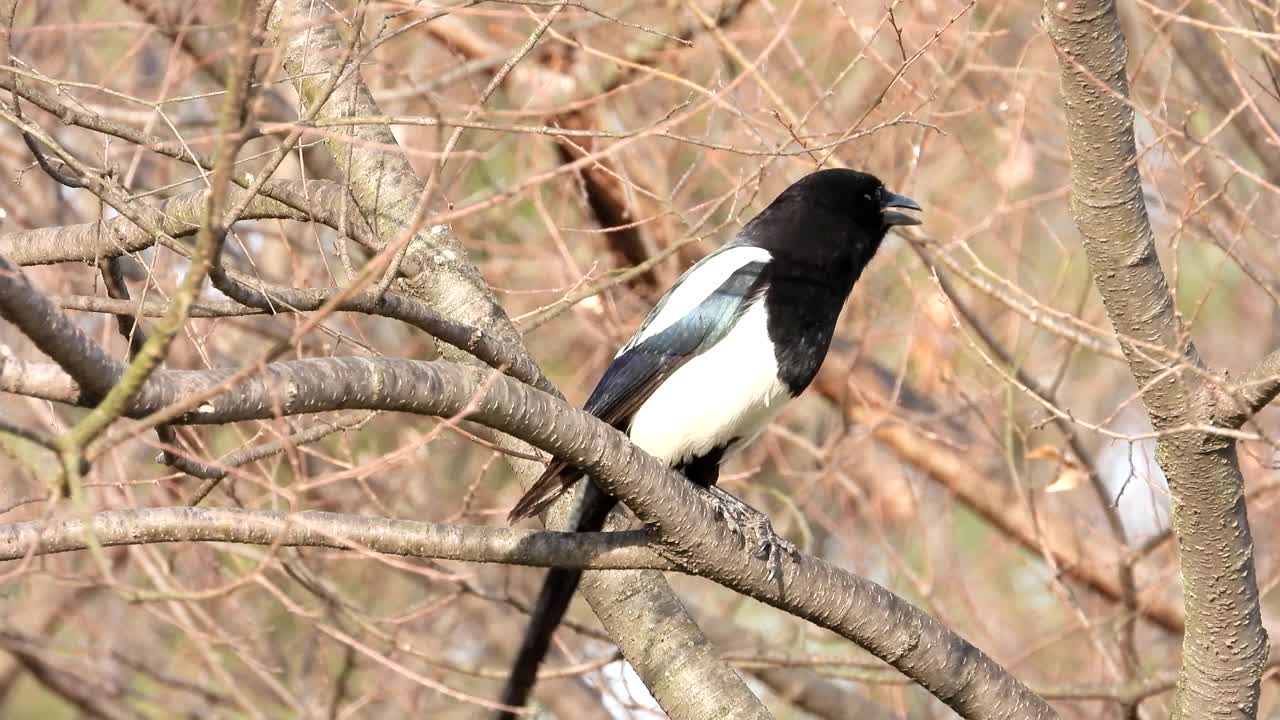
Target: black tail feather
x,y
553,601
555,481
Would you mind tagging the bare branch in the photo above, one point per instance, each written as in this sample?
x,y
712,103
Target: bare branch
x,y
149,308
387,192
919,646
213,474
87,693
408,538
287,193
208,248
1257,389
27,434
1225,647
178,216
949,464
56,336
473,341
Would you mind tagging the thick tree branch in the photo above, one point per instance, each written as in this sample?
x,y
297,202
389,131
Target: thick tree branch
x,y
1256,390
919,646
1225,646
601,551
440,541
56,336
150,308
43,381
387,193
178,216
471,340
43,321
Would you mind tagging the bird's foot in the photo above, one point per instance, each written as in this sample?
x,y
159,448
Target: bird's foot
x,y
749,523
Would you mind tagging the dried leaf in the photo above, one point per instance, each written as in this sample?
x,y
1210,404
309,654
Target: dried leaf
x,y
1069,479
1046,452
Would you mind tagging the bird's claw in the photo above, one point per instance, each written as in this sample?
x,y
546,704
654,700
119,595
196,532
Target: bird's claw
x,y
771,546
746,521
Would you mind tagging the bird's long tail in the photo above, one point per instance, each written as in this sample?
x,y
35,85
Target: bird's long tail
x,y
553,602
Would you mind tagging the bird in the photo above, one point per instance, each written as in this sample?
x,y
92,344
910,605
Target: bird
x,y
740,333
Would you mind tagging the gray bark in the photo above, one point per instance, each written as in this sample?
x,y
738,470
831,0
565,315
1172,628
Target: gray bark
x,y
919,646
442,541
178,216
679,666
1225,645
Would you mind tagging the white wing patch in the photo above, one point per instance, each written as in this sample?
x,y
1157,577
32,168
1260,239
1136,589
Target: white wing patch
x,y
695,286
730,391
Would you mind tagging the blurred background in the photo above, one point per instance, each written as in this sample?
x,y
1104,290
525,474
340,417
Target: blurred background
x,y
975,442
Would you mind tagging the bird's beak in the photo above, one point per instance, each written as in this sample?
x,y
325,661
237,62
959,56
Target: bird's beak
x,y
894,200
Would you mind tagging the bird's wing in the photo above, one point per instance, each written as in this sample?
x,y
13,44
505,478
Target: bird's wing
x,y
695,314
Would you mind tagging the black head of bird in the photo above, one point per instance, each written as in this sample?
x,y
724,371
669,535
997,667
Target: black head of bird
x,y
833,218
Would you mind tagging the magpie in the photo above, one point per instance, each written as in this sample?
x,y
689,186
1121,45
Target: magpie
x,y
740,334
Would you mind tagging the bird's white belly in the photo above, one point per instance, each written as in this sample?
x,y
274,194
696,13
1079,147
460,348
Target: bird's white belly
x,y
730,391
